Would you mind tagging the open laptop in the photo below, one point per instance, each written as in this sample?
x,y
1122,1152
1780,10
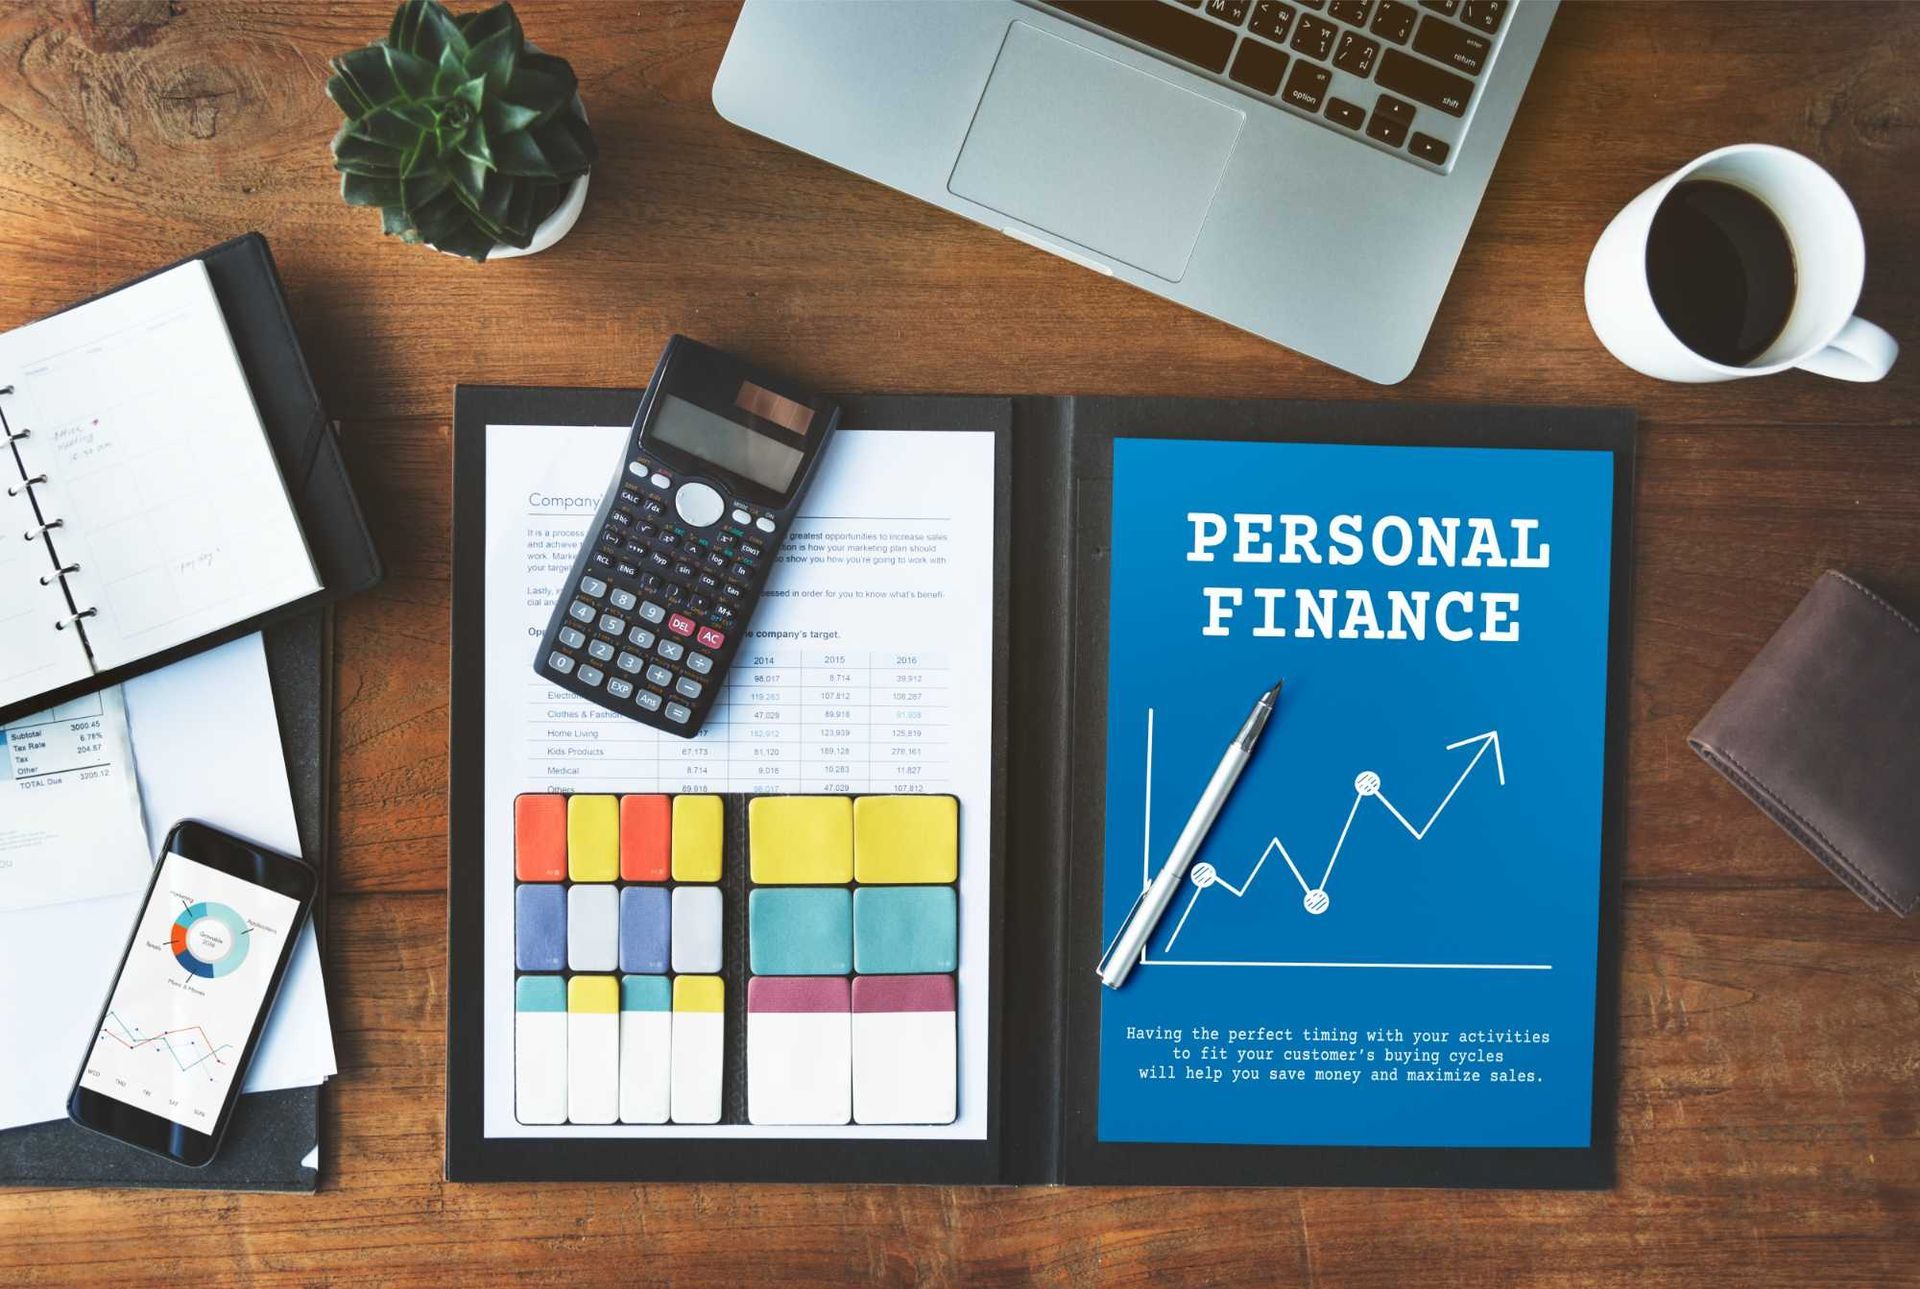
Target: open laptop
x,y
1303,169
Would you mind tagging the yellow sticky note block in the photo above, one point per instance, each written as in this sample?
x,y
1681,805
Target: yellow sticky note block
x,y
906,839
593,994
699,994
696,839
593,837
795,840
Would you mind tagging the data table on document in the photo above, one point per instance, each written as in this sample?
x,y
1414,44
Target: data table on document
x,y
793,718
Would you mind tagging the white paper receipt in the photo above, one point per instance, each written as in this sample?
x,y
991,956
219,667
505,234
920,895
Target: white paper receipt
x,y
70,822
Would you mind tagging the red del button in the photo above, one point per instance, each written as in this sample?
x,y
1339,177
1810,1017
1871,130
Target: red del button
x,y
711,639
680,625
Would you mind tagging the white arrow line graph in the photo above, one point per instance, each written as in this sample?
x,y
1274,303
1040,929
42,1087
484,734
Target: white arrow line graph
x,y
1366,784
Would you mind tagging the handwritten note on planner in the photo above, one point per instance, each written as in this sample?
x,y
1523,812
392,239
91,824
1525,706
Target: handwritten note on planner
x,y
867,668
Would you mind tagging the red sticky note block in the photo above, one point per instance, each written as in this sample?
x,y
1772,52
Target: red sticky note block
x,y
646,838
540,837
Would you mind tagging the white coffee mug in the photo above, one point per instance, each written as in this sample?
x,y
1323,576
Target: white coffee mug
x,y
1821,334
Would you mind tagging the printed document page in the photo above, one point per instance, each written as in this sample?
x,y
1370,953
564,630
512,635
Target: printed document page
x,y
868,668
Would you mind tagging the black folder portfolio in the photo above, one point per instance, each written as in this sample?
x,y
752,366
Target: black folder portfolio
x,y
1445,591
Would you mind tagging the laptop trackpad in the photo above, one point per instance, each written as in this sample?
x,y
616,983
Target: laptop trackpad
x,y
1095,151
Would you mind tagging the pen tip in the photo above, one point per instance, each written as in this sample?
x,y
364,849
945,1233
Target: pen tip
x,y
1274,693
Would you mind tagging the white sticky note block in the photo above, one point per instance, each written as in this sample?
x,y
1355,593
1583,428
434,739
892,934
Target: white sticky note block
x,y
593,928
799,1050
593,1049
646,1050
696,929
699,1042
905,1050
540,1050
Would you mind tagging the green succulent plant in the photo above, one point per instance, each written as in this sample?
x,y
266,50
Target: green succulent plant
x,y
461,134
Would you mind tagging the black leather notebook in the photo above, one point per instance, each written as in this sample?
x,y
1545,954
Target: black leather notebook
x,y
47,420
272,1132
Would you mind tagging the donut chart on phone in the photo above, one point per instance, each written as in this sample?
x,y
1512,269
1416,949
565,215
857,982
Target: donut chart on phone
x,y
209,939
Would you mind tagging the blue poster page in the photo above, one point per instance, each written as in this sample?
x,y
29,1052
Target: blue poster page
x,y
1390,936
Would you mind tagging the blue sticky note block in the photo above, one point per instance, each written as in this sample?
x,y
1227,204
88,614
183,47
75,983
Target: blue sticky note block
x,y
800,932
540,994
646,929
540,926
646,994
905,930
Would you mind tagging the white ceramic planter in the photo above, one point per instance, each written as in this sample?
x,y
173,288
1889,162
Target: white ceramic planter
x,y
554,226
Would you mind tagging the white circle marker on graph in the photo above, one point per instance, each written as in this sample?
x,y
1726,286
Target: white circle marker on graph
x,y
1204,876
1367,783
1316,901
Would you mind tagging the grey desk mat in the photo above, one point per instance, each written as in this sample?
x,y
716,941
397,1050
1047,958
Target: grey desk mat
x,y
271,1132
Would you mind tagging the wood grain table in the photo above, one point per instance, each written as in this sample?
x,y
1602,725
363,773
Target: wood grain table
x,y
1769,1111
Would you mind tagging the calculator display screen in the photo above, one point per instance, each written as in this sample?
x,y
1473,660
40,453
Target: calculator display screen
x,y
725,443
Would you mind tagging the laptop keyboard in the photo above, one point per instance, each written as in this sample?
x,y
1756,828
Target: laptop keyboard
x,y
1397,76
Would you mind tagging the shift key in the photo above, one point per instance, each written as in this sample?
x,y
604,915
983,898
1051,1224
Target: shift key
x,y
1423,82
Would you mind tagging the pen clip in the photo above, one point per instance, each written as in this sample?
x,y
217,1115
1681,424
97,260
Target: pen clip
x,y
1106,955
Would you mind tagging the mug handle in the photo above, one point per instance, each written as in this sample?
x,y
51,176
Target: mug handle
x,y
1860,352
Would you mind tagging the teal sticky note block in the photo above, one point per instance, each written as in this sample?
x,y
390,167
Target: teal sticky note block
x,y
905,930
646,994
540,994
800,932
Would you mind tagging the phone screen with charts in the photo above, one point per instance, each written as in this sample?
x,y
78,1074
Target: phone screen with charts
x,y
180,1023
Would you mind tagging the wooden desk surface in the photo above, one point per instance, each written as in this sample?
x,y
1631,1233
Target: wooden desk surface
x,y
1769,1112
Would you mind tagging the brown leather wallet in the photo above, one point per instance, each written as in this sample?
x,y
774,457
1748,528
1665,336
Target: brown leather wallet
x,y
1822,731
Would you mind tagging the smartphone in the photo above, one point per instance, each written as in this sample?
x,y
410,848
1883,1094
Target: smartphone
x,y
191,997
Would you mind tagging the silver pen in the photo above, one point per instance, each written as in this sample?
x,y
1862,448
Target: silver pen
x,y
1117,962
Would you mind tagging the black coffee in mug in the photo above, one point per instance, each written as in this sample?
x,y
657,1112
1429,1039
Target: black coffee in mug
x,y
1720,268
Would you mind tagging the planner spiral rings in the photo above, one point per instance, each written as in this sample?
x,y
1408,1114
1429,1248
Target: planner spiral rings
x,y
38,532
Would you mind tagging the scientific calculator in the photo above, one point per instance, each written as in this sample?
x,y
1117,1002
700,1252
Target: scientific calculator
x,y
651,615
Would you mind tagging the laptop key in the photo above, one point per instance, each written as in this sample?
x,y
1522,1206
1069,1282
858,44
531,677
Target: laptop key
x,y
1394,21
1484,14
1445,43
1341,112
1271,19
1352,11
1233,11
1356,54
1387,129
1314,36
1448,7
1306,87
1183,35
1393,109
1259,66
1422,82
1428,148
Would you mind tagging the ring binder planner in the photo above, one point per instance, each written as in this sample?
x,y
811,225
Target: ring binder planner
x,y
182,479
